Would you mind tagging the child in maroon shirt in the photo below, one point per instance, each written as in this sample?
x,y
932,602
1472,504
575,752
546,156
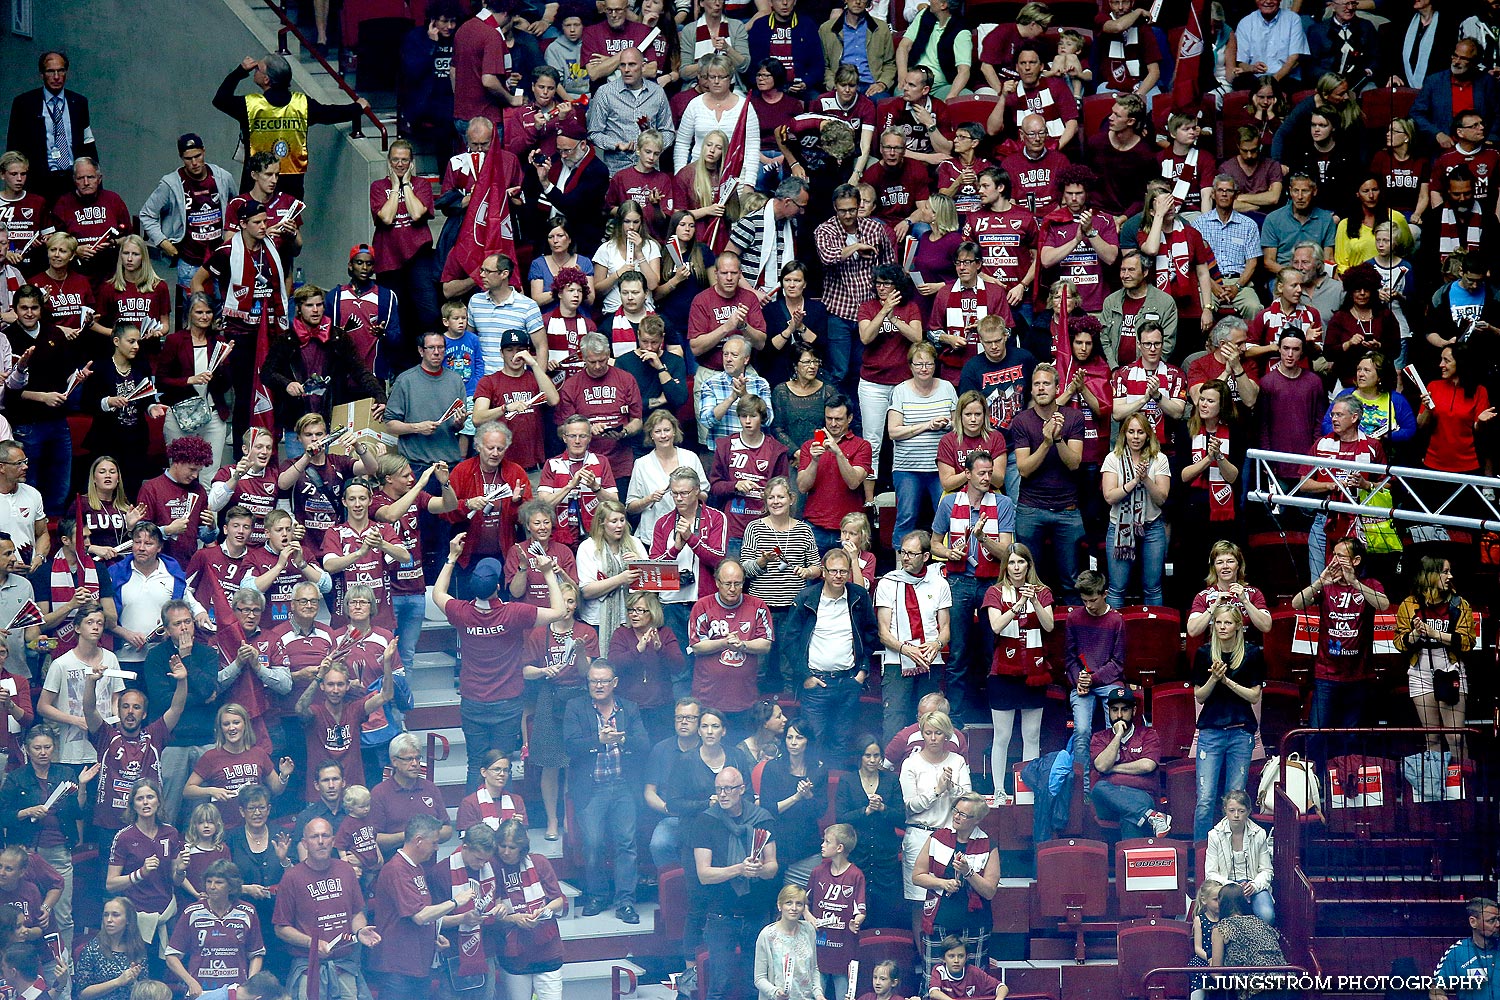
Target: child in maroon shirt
x,y
355,838
955,979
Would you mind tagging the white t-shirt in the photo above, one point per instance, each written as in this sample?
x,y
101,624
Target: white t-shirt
x,y
609,257
65,679
1159,467
19,512
933,596
589,567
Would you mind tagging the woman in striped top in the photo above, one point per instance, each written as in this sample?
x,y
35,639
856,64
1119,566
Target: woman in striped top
x,y
920,413
780,557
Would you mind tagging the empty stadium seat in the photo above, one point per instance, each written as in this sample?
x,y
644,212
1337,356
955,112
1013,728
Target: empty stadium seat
x,y
671,910
1153,644
1151,877
1071,884
1174,715
1370,790
1383,104
1151,944
1280,561
1095,112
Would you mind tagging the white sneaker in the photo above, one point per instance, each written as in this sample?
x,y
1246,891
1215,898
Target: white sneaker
x,y
1160,822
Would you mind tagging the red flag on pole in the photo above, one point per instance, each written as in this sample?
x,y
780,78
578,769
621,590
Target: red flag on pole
x,y
487,226
1186,91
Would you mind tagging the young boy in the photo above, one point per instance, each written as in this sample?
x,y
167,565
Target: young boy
x,y
565,55
955,979
462,354
355,839
836,907
883,981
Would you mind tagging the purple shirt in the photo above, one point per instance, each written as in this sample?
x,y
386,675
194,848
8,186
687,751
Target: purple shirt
x,y
1053,486
1099,642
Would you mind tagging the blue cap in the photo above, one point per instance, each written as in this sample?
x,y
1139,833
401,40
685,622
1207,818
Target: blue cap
x,y
485,579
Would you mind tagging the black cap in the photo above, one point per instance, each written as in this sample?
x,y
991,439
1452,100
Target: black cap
x,y
1121,696
187,141
249,209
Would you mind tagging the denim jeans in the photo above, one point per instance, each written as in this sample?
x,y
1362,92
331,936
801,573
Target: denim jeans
x,y
1065,527
1128,805
49,447
666,843
339,979
291,445
874,401
1012,487
1317,546
909,489
722,935
488,725
677,615
1150,559
733,547
1263,905
833,714
845,353
899,696
968,595
1335,705
1083,723
1222,753
825,538
608,818
410,610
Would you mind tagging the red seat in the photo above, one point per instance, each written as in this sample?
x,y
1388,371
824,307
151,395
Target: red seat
x,y
1181,781
1174,716
1153,644
1096,111
1281,663
971,109
1383,104
671,910
1151,877
1280,711
1152,944
1280,562
1234,112
1070,884
884,944
1200,864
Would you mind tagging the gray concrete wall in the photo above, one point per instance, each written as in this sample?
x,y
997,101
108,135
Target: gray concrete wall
x,y
150,72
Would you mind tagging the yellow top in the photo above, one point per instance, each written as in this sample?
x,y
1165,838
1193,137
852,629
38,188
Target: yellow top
x,y
282,130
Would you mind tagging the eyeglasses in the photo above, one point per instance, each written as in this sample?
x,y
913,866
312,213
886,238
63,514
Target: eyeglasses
x,y
908,553
637,611
729,788
601,681
962,815
686,718
407,759
306,600
19,461
835,572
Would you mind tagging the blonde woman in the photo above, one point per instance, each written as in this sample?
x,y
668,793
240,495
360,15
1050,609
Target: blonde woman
x,y
1228,676
720,109
235,761
649,496
135,294
937,249
1435,627
69,296
1019,610
932,780
627,246
919,414
701,182
604,572
1136,478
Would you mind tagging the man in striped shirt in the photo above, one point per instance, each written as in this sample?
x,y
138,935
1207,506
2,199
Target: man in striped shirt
x,y
499,308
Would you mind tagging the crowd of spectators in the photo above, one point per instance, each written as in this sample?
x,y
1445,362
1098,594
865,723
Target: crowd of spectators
x,y
637,420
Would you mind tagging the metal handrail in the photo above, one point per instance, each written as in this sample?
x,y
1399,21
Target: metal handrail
x,y
288,28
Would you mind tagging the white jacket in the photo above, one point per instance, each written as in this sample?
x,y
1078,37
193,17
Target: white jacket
x,y
1218,860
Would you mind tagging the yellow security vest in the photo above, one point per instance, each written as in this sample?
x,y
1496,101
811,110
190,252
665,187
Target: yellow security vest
x,y
282,131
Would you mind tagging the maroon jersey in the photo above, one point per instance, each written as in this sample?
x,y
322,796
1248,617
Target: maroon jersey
x,y
528,434
217,950
1082,265
1007,243
66,300
494,645
860,115
1034,181
536,585
736,461
89,219
655,192
575,511
374,569
709,311
321,904
975,982
965,196
122,760
833,901
895,113
954,450
899,189
408,576
233,771
297,651
547,648
279,597
1483,163
609,403
315,496
231,572
400,894
28,222
1346,633
131,305
167,500
956,311
205,218
130,849
335,738
359,314
356,837
602,40
105,526
726,678
257,494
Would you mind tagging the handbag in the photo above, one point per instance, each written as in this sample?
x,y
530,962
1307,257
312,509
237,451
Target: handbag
x,y
192,414
1301,785
1380,535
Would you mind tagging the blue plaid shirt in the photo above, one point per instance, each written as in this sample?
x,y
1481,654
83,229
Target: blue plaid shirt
x,y
1233,242
608,762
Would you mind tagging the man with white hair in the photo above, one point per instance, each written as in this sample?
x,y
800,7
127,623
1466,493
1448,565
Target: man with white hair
x,y
719,393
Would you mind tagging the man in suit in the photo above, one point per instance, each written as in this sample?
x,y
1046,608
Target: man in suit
x,y
50,125
1462,83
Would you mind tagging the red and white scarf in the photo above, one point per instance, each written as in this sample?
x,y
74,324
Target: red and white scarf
x,y
528,896
1220,492
239,295
1019,646
1039,102
65,583
703,38
960,526
622,333
909,623
941,849
568,333
1459,231
491,813
471,958
1182,172
1276,317
1174,262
